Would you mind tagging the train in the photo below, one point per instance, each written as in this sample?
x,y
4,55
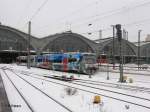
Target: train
x,y
102,59
85,63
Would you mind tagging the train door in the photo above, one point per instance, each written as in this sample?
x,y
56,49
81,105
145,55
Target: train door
x,y
65,63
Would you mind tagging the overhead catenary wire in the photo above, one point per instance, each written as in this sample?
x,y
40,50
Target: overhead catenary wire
x,y
109,28
73,13
80,9
100,16
137,22
96,31
110,13
28,4
36,12
125,25
103,15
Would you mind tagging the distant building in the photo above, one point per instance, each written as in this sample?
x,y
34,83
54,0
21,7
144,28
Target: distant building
x,y
147,38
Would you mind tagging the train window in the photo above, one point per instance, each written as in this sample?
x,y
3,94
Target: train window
x,y
56,61
103,56
90,59
72,59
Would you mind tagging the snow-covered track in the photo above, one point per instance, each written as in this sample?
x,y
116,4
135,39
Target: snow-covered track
x,y
118,86
27,103
51,98
82,82
86,89
125,72
98,88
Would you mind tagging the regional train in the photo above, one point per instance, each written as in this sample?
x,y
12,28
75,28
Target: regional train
x,y
78,62
102,59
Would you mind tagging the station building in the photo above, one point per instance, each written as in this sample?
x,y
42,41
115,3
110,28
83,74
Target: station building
x,y
67,42
105,47
14,43
144,51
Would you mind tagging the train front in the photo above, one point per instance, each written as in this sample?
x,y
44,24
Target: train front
x,y
89,63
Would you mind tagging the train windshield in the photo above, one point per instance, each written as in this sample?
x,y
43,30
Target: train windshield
x,y
90,59
72,60
73,57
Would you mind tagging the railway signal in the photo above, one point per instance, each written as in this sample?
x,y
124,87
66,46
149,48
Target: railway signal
x,y
119,36
119,32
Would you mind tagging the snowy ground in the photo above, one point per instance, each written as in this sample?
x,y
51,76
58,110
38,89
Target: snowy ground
x,y
81,101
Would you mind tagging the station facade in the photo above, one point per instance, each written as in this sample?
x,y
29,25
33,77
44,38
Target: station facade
x,y
67,42
145,52
128,49
14,43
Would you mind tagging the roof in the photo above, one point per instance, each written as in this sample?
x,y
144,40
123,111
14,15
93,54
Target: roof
x,y
106,41
103,40
40,43
141,43
46,40
34,40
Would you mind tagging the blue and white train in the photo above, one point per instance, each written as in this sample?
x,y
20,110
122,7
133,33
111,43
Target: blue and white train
x,y
79,62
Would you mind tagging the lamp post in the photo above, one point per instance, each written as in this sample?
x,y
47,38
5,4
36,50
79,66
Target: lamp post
x,y
29,36
138,59
0,51
108,56
100,35
113,51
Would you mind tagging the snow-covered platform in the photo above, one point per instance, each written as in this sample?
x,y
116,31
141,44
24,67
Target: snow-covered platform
x,y
4,103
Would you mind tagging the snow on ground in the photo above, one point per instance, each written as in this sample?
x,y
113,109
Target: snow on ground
x,y
14,97
36,99
80,102
139,80
47,85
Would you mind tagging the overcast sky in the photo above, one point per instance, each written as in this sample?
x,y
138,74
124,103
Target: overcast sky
x,y
56,16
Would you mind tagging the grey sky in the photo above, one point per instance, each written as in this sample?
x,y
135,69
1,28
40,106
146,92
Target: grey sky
x,y
60,15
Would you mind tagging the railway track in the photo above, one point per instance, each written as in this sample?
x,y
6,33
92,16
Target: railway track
x,y
126,72
118,86
105,71
27,103
131,73
107,84
102,89
82,88
51,98
112,71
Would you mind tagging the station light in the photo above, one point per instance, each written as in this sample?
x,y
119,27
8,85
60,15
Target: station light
x,y
89,24
89,33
